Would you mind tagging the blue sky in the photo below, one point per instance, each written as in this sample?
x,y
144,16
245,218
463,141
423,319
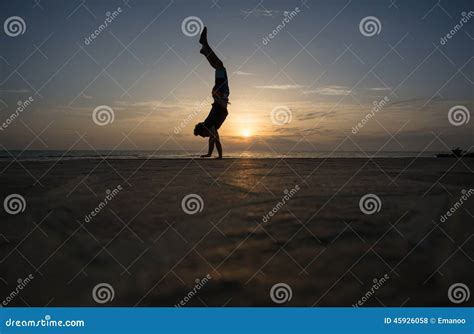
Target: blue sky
x,y
320,67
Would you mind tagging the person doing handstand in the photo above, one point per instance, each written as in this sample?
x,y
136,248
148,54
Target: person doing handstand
x,y
220,94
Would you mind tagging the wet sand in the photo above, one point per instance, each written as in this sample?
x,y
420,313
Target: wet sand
x,y
318,242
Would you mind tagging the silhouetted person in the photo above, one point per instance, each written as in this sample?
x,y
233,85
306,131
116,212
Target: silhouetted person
x,y
220,94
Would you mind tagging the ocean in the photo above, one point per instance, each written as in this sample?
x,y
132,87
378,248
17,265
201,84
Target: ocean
x,y
41,155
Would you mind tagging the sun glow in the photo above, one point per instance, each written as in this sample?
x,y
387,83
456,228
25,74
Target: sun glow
x,y
246,133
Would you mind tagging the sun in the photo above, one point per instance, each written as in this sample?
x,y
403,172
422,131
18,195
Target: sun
x,y
246,133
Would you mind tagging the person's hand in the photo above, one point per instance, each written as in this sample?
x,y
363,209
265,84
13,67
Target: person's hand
x,y
205,156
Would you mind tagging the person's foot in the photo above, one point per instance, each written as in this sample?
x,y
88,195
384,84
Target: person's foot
x,y
203,41
203,38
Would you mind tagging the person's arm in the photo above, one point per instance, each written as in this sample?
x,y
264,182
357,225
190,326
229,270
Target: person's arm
x,y
212,139
218,144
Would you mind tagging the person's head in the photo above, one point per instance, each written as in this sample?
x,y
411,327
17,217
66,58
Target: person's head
x,y
201,130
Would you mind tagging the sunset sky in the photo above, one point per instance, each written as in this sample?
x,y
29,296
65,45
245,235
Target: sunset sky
x,y
320,67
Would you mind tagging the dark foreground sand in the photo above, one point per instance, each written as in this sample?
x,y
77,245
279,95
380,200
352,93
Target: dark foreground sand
x,y
319,243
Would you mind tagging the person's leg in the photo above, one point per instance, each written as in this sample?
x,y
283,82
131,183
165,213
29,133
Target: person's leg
x,y
206,50
218,145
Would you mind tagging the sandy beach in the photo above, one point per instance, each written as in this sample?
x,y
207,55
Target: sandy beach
x,y
318,241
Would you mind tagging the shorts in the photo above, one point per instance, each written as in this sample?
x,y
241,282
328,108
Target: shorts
x,y
216,116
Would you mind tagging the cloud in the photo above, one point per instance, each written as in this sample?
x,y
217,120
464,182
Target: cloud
x,y
378,89
243,73
157,107
301,131
316,114
260,12
316,131
415,102
289,130
330,90
335,90
280,87
14,91
132,109
144,104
